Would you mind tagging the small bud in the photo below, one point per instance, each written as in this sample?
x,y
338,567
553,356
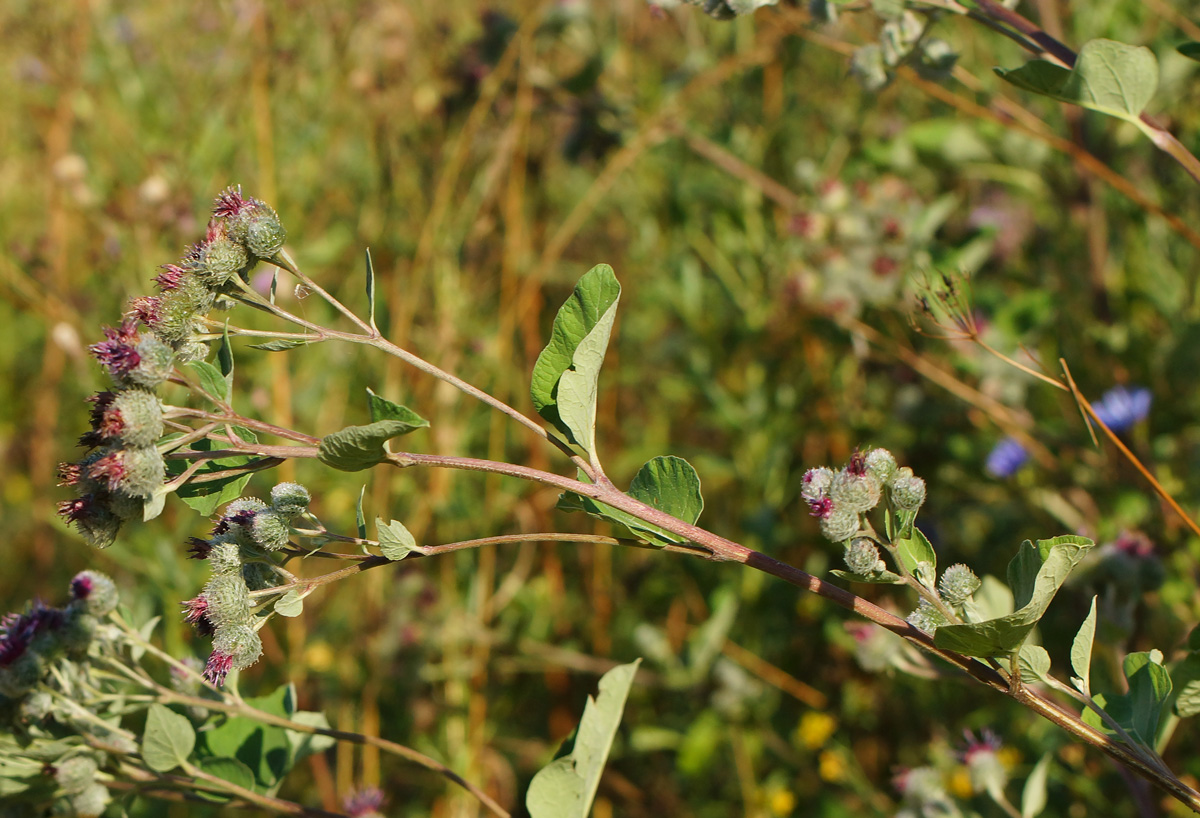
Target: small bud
x,y
131,416
881,465
259,576
155,364
74,774
907,492
96,592
235,647
191,351
957,584
857,492
93,518
290,499
220,260
841,524
35,707
225,556
237,519
862,557
22,675
179,310
259,228
92,802
137,471
78,632
126,507
816,483
926,617
228,600
241,642
269,530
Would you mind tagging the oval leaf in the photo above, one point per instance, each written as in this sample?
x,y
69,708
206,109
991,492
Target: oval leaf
x,y
1081,651
395,541
567,786
227,769
1035,574
384,409
578,340
360,447
1149,688
1109,77
290,604
168,739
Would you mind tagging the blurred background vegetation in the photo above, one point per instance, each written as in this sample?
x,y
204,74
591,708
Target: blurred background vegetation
x,y
768,220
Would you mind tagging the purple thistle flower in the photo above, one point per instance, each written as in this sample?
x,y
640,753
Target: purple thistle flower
x,y
218,667
199,549
821,507
230,202
17,631
1006,458
988,742
81,586
364,802
196,613
109,469
146,309
1121,408
118,354
170,278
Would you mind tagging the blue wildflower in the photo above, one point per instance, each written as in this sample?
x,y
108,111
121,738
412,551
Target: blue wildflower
x,y
1121,408
1006,458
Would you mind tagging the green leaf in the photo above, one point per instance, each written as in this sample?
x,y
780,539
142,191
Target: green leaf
x,y
1185,679
384,409
279,702
228,769
290,604
1149,687
1081,652
306,744
1109,77
205,498
211,380
263,748
370,290
1033,796
360,447
395,541
914,550
578,340
279,345
1189,50
1034,661
225,360
668,483
567,786
882,578
1035,575
168,739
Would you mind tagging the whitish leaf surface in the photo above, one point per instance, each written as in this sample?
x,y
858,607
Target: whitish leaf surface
x,y
567,786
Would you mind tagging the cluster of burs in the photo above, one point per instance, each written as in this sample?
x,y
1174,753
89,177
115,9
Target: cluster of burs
x,y
840,499
121,478
45,656
241,556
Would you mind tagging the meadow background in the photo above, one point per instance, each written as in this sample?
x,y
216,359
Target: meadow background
x,y
767,218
